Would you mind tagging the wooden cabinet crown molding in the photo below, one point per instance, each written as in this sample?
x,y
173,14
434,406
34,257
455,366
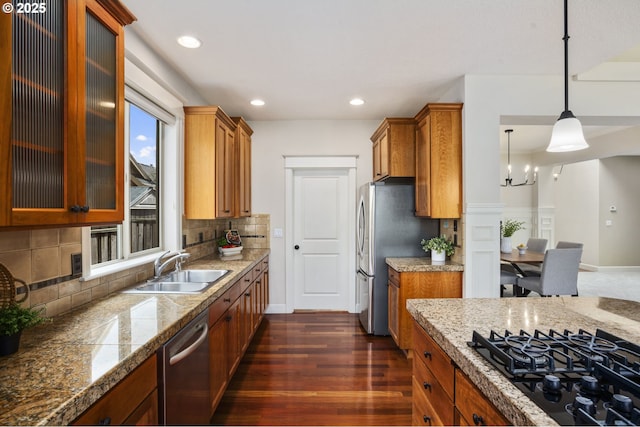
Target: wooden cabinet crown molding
x,y
427,109
213,110
119,11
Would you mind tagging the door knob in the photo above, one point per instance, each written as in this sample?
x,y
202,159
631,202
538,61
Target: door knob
x,y
296,247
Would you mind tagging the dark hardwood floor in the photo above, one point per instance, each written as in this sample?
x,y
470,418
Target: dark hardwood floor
x,y
318,369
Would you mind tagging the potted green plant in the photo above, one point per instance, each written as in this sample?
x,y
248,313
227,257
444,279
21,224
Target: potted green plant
x,y
440,247
13,320
507,228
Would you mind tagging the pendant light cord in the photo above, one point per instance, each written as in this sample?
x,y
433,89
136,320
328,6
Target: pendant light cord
x,y
566,58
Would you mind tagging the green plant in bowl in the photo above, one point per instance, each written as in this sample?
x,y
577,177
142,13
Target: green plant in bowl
x,y
438,244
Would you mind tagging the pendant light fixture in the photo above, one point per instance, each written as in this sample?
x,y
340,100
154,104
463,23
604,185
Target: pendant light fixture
x,y
567,132
508,182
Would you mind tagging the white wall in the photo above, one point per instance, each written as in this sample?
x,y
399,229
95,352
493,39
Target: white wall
x,y
576,199
619,242
271,141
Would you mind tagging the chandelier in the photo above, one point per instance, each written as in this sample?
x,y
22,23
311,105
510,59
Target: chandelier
x,y
508,182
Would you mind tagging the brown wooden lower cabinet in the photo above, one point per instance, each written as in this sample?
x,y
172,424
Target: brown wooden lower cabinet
x,y
442,393
233,320
133,401
416,284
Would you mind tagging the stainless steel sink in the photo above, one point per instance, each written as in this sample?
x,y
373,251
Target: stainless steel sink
x,y
180,282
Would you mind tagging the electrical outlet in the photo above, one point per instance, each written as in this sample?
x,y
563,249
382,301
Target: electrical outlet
x,y
76,264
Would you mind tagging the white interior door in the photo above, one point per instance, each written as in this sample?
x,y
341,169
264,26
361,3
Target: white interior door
x,y
321,239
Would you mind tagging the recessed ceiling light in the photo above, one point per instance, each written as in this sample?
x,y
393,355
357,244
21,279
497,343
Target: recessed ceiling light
x,y
257,102
356,101
189,42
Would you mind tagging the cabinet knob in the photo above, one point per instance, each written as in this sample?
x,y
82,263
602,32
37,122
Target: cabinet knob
x,y
248,294
226,299
426,419
477,420
427,355
104,421
296,247
426,385
75,208
85,208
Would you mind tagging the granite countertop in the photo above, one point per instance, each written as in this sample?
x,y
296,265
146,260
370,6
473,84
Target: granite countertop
x,y
421,264
451,323
63,367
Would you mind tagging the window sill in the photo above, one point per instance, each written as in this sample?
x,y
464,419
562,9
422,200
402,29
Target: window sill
x,y
117,267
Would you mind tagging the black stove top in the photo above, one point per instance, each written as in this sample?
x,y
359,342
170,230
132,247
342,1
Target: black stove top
x,y
576,378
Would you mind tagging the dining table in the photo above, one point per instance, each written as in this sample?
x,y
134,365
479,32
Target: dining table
x,y
515,257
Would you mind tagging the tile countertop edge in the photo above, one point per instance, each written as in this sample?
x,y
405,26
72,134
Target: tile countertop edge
x,y
451,322
78,399
417,264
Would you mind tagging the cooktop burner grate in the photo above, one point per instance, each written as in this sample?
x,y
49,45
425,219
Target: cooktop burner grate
x,y
577,378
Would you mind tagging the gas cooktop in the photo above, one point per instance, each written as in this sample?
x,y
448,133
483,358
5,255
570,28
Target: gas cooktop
x,y
576,378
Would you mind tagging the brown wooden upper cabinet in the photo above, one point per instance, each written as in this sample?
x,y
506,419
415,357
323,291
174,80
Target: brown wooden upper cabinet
x,y
243,175
62,130
210,158
439,161
217,164
393,149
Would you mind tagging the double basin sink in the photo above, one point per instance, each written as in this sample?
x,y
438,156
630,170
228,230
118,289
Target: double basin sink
x,y
180,282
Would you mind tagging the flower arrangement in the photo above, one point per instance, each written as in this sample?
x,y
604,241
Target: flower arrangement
x,y
438,244
510,226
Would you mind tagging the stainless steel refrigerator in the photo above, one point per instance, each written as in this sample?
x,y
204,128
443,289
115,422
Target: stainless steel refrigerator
x,y
386,228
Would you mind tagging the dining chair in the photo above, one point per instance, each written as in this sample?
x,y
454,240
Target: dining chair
x,y
559,275
507,278
564,245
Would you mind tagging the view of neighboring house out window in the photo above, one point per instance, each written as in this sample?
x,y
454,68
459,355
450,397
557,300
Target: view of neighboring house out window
x,y
140,230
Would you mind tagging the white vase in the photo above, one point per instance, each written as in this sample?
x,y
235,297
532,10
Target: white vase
x,y
505,245
438,256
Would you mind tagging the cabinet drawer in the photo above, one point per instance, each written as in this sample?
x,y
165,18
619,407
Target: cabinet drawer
x,y
473,405
394,276
441,403
257,271
120,402
427,351
422,413
244,282
222,304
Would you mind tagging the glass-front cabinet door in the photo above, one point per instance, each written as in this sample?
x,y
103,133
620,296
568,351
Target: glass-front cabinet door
x,y
62,129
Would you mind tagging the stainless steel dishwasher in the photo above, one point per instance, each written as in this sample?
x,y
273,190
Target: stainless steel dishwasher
x,y
184,389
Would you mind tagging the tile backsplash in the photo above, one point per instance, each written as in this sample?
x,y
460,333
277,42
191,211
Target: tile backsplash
x,y
42,258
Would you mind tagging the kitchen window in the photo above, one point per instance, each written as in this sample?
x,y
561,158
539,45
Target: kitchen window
x,y
150,136
140,230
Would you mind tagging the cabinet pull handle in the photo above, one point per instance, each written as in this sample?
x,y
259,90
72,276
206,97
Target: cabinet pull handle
x,y
477,420
426,385
427,355
426,419
226,299
104,421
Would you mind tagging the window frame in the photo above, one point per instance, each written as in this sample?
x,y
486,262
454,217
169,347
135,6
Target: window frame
x,y
170,167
